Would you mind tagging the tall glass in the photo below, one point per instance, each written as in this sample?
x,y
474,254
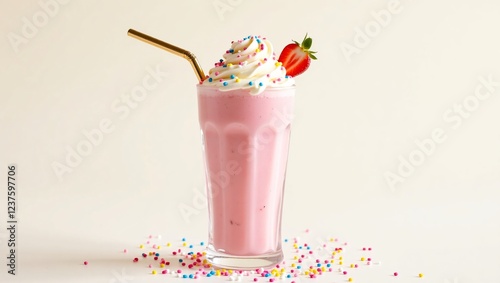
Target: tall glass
x,y
245,144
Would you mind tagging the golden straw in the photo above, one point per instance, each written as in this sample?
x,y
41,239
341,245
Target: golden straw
x,y
172,49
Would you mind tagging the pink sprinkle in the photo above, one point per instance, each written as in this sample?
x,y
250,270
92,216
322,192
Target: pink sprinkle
x,y
364,249
150,266
85,262
163,272
216,73
255,279
154,246
344,272
356,266
307,230
150,236
395,274
369,249
179,271
125,251
147,242
369,259
271,279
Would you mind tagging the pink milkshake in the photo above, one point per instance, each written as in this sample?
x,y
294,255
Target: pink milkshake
x,y
245,108
245,140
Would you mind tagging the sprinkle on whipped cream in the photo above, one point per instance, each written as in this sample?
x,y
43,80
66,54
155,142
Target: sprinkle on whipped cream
x,y
250,64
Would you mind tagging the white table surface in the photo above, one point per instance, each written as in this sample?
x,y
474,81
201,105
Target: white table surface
x,y
356,116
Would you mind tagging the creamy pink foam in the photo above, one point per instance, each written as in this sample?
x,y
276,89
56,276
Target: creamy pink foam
x,y
245,141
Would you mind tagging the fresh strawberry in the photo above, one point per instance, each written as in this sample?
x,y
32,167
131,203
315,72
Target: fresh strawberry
x,y
296,57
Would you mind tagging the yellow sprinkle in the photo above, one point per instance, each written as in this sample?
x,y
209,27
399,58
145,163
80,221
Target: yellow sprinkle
x,y
420,275
315,271
340,258
340,262
230,271
350,279
169,244
204,253
230,64
334,253
141,246
159,247
306,272
332,261
332,239
237,80
217,272
184,244
362,259
352,265
293,264
282,270
153,272
323,269
278,64
295,257
162,265
205,261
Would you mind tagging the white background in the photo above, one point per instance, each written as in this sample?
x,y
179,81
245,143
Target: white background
x,y
355,116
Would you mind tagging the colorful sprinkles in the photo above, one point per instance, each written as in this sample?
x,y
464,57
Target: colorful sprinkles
x,y
187,260
249,63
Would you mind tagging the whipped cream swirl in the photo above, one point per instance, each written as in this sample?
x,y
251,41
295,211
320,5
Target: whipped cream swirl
x,y
250,64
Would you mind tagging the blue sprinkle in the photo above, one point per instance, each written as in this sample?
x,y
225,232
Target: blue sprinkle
x,y
224,66
286,240
191,276
268,274
157,254
318,265
328,265
210,80
231,50
288,276
183,239
202,244
180,259
190,246
261,84
308,248
221,60
224,83
209,275
212,272
232,76
300,247
250,83
299,267
184,276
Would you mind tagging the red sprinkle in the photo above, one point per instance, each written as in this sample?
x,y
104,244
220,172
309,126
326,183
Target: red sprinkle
x,y
85,262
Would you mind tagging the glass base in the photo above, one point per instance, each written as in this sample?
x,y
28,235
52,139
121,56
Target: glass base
x,y
223,260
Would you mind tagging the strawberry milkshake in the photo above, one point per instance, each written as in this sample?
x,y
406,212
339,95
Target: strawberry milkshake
x,y
245,110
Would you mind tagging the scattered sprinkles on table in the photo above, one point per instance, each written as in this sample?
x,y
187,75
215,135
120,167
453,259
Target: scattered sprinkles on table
x,y
187,260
